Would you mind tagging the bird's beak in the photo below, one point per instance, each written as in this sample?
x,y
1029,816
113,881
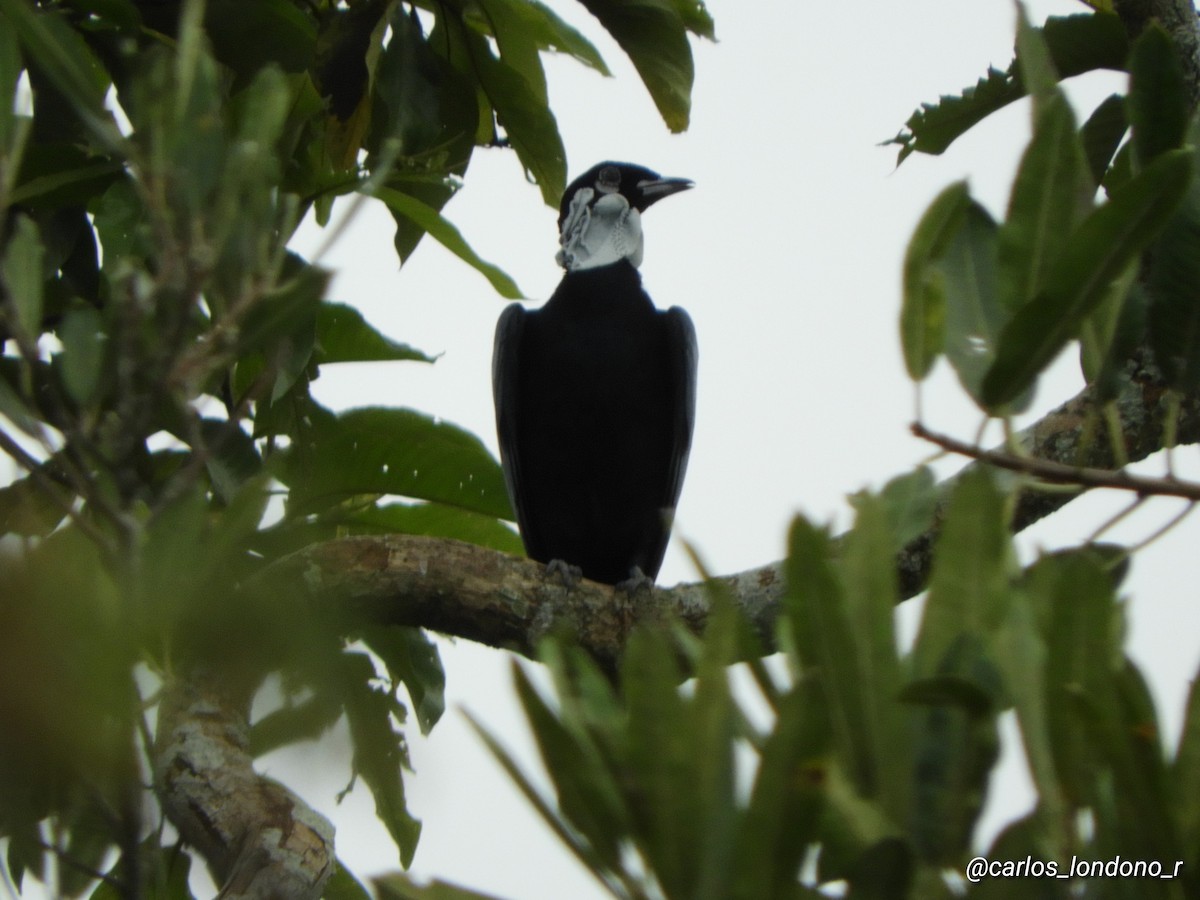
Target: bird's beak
x,y
653,190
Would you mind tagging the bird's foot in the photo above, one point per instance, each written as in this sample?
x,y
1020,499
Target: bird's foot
x,y
569,575
636,582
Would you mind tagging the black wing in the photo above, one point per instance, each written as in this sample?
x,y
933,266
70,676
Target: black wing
x,y
682,355
506,353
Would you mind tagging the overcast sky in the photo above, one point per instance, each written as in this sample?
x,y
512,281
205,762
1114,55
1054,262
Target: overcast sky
x,y
787,255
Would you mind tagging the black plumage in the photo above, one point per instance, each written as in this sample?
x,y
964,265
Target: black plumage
x,y
595,392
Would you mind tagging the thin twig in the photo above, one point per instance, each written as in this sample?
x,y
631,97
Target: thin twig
x,y
1061,473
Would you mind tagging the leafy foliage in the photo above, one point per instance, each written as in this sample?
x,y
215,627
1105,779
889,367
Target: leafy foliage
x,y
159,343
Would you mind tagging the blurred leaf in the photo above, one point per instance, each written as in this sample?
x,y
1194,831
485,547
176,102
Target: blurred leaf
x,y
653,33
398,886
1112,333
288,310
69,63
24,507
1019,840
909,502
1173,281
831,650
1158,97
968,588
1185,778
923,315
1033,63
343,335
1101,134
1101,247
379,750
342,885
867,565
974,315
162,871
84,339
1048,197
10,73
247,37
412,659
1077,44
782,817
291,724
448,236
21,275
378,450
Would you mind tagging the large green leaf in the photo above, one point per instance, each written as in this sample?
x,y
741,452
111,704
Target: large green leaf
x,y
379,750
21,277
653,33
544,27
923,314
412,659
378,450
1158,96
448,236
1101,134
1107,241
343,335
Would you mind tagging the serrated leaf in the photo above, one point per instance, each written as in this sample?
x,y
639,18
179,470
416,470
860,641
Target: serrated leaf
x,y
376,450
379,751
653,35
449,237
1077,44
1101,134
1107,241
344,335
21,275
923,314
1158,104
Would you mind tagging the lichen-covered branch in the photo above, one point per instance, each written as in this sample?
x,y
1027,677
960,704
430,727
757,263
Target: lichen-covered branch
x,y
260,840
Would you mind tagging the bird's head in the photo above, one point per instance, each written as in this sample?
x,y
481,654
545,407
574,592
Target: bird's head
x,y
599,220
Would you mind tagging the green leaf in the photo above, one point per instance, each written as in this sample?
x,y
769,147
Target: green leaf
x,y
783,814
247,37
1185,776
831,651
1158,97
1173,281
1107,241
291,724
412,660
867,565
69,63
21,276
968,587
287,312
1034,64
1048,196
378,450
526,118
653,35
923,314
343,335
342,885
449,237
84,339
909,502
25,509
1077,44
379,750
547,31
974,315
1101,134
398,886
10,73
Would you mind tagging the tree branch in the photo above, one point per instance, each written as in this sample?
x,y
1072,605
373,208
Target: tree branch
x,y
261,841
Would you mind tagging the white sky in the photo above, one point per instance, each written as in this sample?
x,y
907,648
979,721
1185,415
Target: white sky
x,y
787,255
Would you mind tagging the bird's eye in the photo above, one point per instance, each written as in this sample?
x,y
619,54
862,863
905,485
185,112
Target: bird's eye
x,y
610,176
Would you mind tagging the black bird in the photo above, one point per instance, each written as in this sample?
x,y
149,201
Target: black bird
x,y
596,391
